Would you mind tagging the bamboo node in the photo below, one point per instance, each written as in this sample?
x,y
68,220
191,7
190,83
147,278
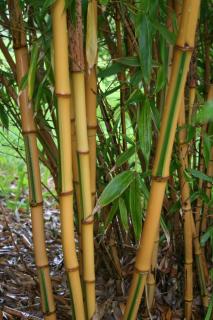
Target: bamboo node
x,y
160,178
89,281
83,152
65,95
49,313
184,48
45,266
88,220
91,126
29,132
140,271
19,47
67,193
72,269
36,204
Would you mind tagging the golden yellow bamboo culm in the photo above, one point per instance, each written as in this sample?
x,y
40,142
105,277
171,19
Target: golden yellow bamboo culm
x,y
32,157
83,159
63,93
160,172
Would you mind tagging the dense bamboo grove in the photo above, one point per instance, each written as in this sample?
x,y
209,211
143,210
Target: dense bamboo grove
x,y
115,100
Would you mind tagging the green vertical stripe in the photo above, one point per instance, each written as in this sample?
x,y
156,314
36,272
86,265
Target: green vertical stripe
x,y
172,110
135,297
59,152
44,291
30,169
71,297
80,182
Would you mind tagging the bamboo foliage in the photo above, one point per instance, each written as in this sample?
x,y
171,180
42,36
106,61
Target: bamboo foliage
x,y
32,159
210,174
160,173
83,159
63,93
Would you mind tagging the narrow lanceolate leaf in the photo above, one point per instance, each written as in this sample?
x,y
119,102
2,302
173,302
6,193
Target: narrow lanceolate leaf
x,y
32,70
116,187
112,213
145,45
4,117
135,207
125,156
200,175
144,129
207,145
205,114
123,213
206,236
209,313
91,35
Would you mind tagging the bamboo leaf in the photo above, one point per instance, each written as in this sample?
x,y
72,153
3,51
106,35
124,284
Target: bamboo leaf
x,y
110,71
161,79
205,237
205,114
170,37
125,156
135,97
143,31
123,213
32,70
91,35
135,207
4,117
116,187
129,61
200,175
144,129
209,313
207,144
112,213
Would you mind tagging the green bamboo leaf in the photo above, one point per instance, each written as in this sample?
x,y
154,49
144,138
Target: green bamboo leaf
x,y
205,114
135,207
143,31
135,97
205,237
4,117
112,213
123,213
161,79
32,69
129,61
144,129
116,187
200,175
170,37
110,70
209,313
207,145
125,156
